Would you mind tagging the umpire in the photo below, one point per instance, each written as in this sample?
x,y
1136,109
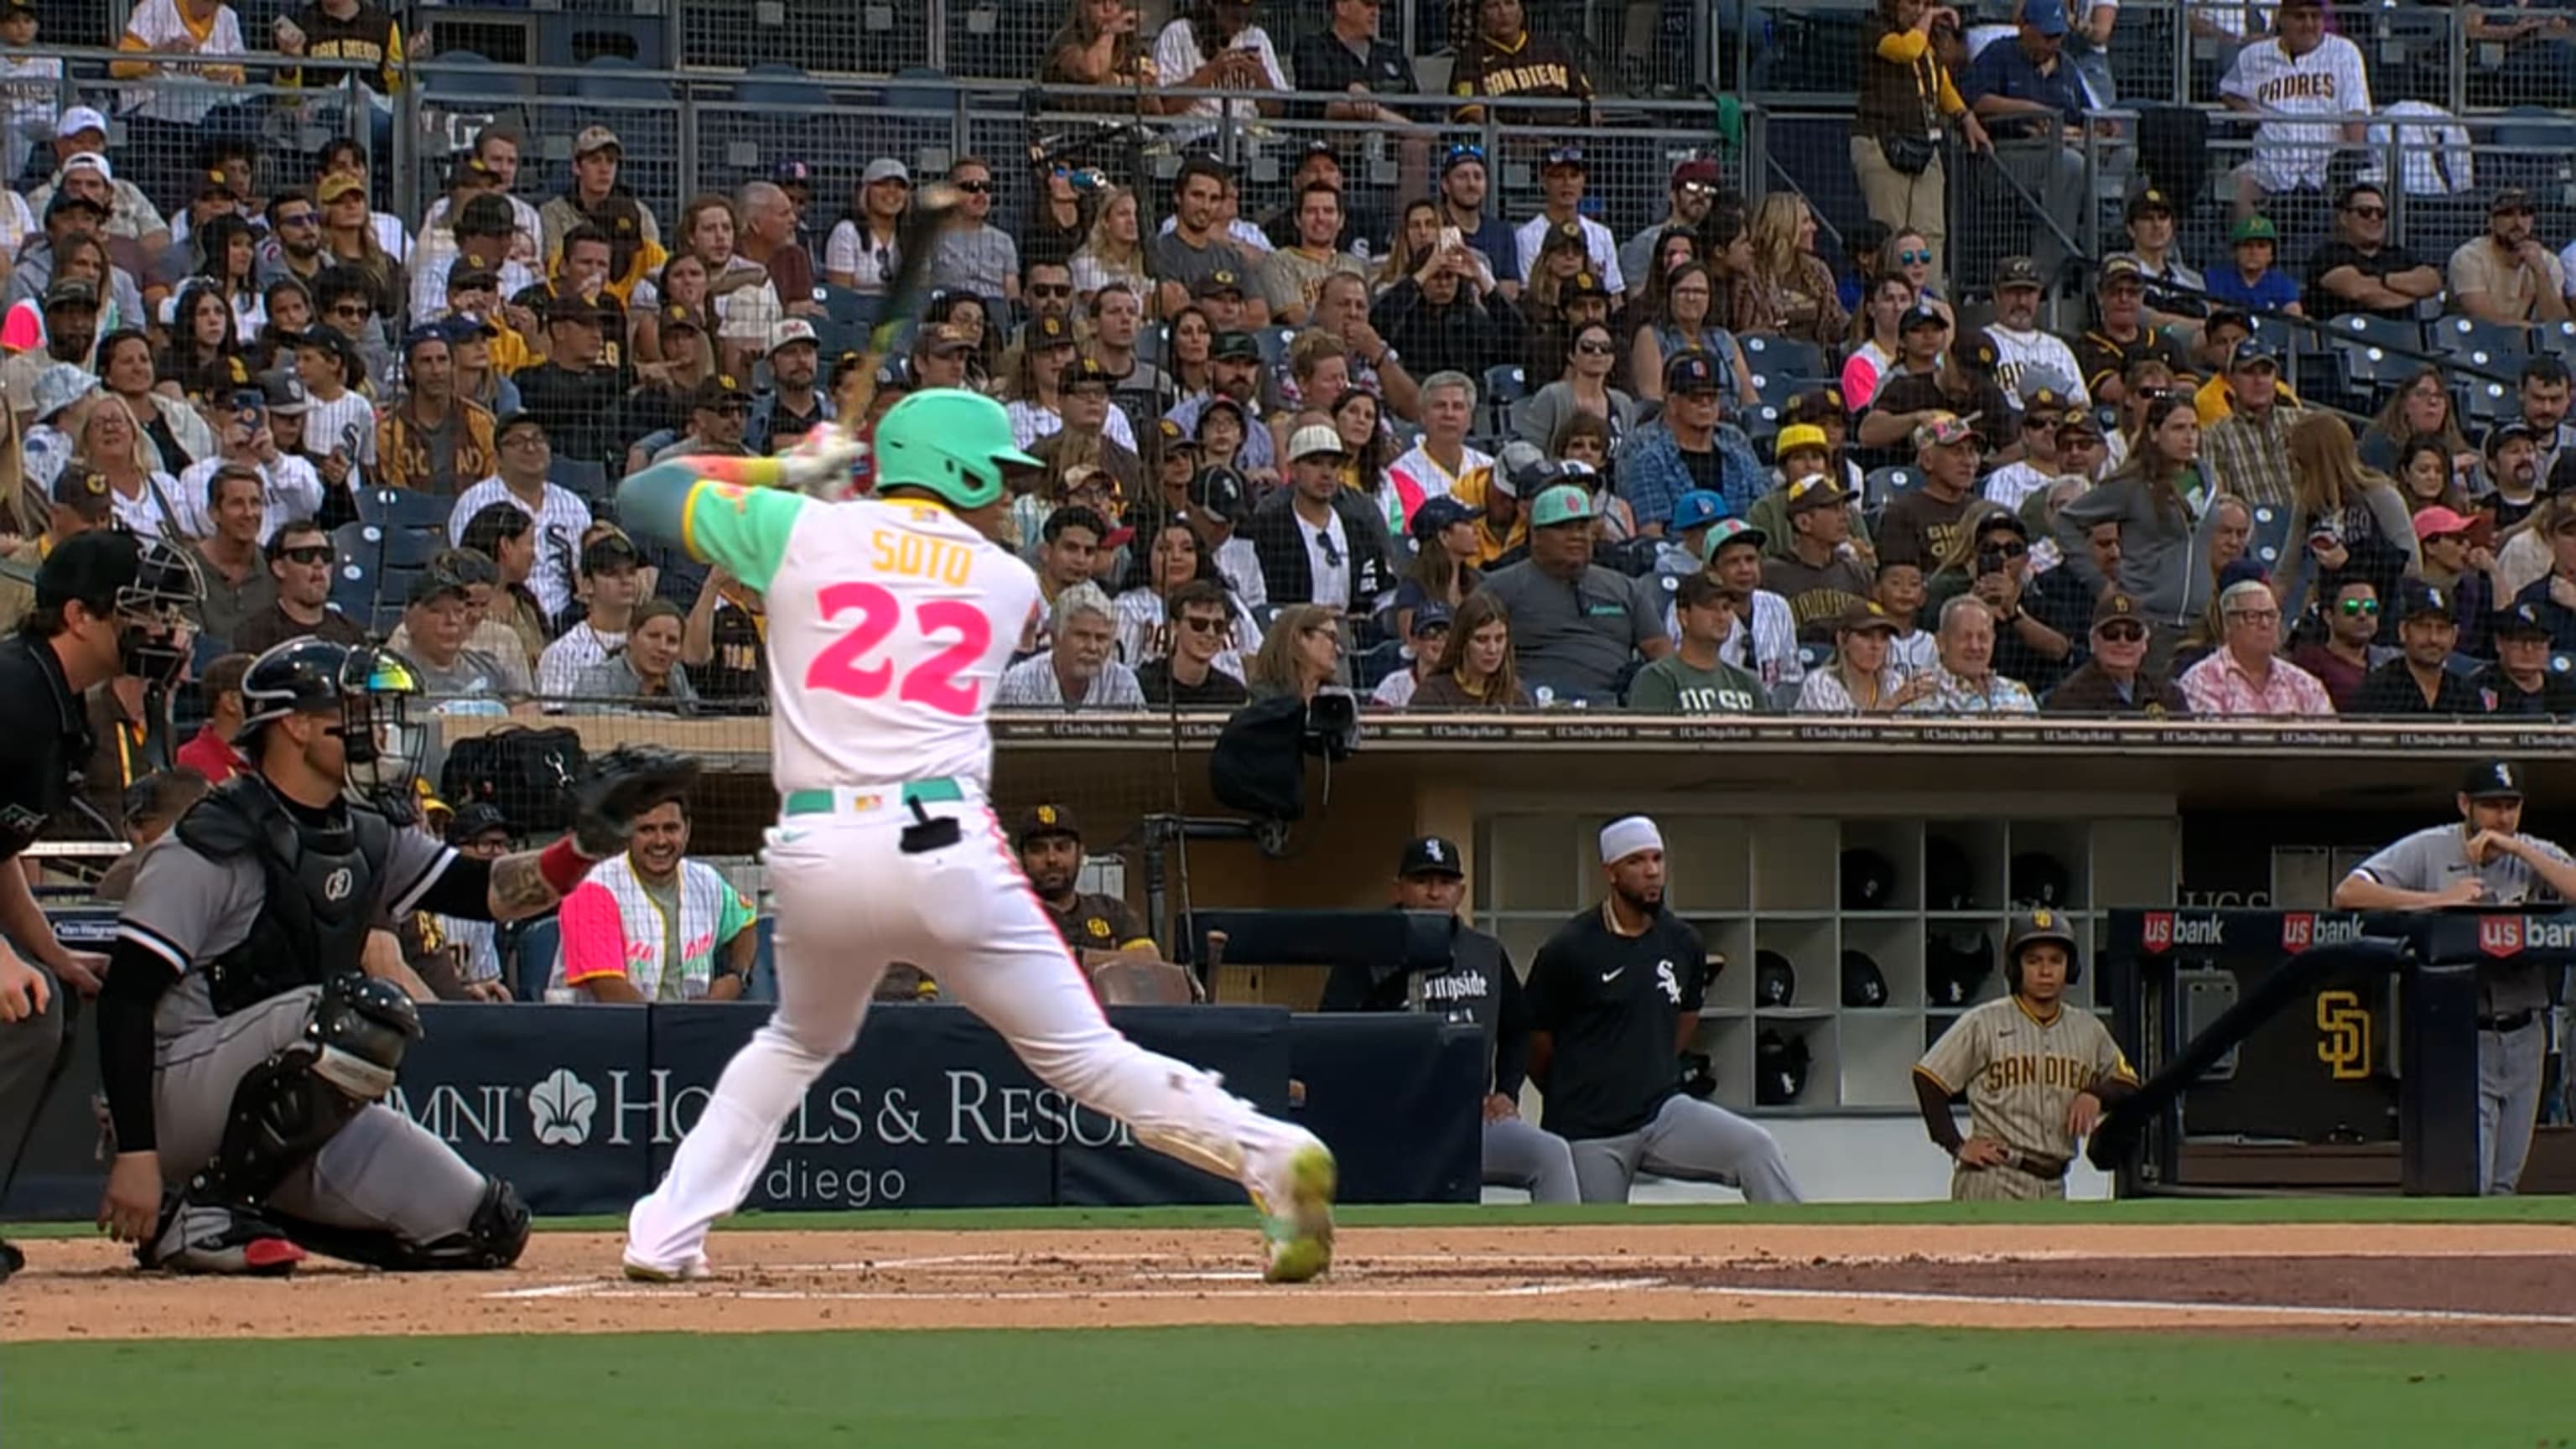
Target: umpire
x,y
1614,996
106,604
1477,988
2482,860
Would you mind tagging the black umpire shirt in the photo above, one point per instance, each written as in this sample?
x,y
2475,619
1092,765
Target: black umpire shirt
x,y
44,736
1611,1001
2391,689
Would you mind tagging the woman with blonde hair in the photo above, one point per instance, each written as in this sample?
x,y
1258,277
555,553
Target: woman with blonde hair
x,y
1101,43
146,500
1864,677
1115,250
2348,520
1475,669
1300,655
1798,287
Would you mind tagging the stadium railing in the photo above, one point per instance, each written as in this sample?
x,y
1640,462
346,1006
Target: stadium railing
x,y
278,118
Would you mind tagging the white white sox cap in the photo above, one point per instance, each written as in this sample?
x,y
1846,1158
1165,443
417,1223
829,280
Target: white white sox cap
x,y
1623,838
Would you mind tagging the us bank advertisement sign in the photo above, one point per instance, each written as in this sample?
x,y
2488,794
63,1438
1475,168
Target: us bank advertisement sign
x,y
581,1106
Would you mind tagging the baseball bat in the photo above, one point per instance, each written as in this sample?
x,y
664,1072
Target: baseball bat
x,y
1215,958
934,206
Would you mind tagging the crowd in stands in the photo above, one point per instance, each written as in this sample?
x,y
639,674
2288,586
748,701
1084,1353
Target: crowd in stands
x,y
1409,445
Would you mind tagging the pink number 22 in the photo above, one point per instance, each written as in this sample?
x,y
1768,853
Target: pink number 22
x,y
933,682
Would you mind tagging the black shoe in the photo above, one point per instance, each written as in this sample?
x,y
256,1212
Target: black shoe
x,y
11,1260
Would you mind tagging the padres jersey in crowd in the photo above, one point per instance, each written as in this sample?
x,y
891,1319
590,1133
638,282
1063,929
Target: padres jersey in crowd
x,y
1098,923
2022,1073
889,626
1532,66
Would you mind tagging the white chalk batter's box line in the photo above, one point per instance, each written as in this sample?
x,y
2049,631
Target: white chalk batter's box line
x,y
970,1263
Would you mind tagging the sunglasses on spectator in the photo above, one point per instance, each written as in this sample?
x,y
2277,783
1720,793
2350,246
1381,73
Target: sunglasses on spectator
x,y
1203,623
1593,349
1914,258
2009,549
975,188
2123,633
1051,289
2368,213
2360,608
311,553
298,218
355,311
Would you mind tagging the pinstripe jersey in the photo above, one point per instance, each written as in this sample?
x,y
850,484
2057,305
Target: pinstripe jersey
x,y
2022,1073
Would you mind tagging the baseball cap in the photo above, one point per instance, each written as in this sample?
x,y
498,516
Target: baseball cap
x,y
572,309
2236,317
1564,503
722,387
2044,401
1818,491
1815,405
1083,372
2511,198
2252,229
2119,272
1429,855
1943,430
67,199
1799,435
1461,155
472,279
942,337
1047,329
85,492
2150,202
469,170
71,292
2046,17
2521,621
1690,371
1314,440
474,822
1863,616
792,173
2022,271
2485,780
596,138
2079,422
1697,171
2505,432
790,332
464,326
1921,314
1220,281
2251,353
1437,515
90,569
1726,531
1978,353
335,186
1697,508
2115,606
1430,617
2437,521
1234,347
1174,435
2416,597
885,168
431,585
76,120
1219,492
1520,471
1042,821
1583,284
1563,156
283,392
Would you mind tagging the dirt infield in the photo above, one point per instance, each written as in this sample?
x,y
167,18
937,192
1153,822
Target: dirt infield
x,y
2510,1284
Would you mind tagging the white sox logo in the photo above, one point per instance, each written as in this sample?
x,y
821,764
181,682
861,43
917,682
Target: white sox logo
x,y
1664,978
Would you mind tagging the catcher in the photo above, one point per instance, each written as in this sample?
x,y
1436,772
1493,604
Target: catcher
x,y
2037,1075
244,1051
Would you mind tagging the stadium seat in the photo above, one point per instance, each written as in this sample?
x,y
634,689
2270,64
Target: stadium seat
x,y
465,73
615,78
1882,484
1789,360
583,478
408,548
403,508
848,307
1369,666
2372,349
2492,346
782,91
1503,387
2487,402
2270,540
2558,338
1273,342
533,963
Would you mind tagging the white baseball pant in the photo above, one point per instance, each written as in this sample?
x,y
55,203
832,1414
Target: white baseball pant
x,y
850,901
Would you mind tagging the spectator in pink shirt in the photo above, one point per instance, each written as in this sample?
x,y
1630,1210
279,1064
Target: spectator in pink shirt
x,y
2245,676
653,925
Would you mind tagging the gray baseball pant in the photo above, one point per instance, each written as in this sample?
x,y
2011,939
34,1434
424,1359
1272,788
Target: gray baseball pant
x,y
2509,1067
1519,1153
27,1051
1691,1139
382,1171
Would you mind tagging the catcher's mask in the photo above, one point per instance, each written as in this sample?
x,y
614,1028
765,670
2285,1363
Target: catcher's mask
x,y
369,688
153,634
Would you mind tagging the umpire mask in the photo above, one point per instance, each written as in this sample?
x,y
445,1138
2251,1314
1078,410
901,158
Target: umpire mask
x,y
153,634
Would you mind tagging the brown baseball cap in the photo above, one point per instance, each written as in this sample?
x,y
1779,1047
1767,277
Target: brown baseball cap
x,y
1042,821
2115,606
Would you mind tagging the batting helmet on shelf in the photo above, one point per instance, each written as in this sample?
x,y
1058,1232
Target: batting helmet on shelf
x,y
1699,1076
1779,1069
1863,983
2039,879
1955,964
1869,880
1949,875
1775,981
2029,930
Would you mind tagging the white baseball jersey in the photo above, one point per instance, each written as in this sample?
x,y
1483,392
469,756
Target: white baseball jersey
x,y
2019,353
2327,81
889,627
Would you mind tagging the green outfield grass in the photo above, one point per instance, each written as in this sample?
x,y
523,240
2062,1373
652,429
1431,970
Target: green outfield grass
x,y
1550,1386
1448,1215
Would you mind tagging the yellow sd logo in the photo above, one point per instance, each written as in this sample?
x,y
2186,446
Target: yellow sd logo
x,y
2343,1035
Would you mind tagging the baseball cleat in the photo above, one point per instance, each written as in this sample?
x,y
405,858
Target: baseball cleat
x,y
202,1237
693,1271
1297,1216
11,1260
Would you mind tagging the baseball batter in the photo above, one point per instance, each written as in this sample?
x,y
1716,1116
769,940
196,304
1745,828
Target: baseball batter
x,y
891,619
2037,1074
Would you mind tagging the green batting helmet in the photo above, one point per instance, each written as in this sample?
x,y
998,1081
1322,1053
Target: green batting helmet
x,y
948,442
2030,930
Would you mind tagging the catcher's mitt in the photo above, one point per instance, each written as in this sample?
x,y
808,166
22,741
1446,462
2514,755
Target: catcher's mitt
x,y
620,785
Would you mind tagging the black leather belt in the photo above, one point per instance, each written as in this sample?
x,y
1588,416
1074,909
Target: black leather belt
x,y
2510,1021
2046,1169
